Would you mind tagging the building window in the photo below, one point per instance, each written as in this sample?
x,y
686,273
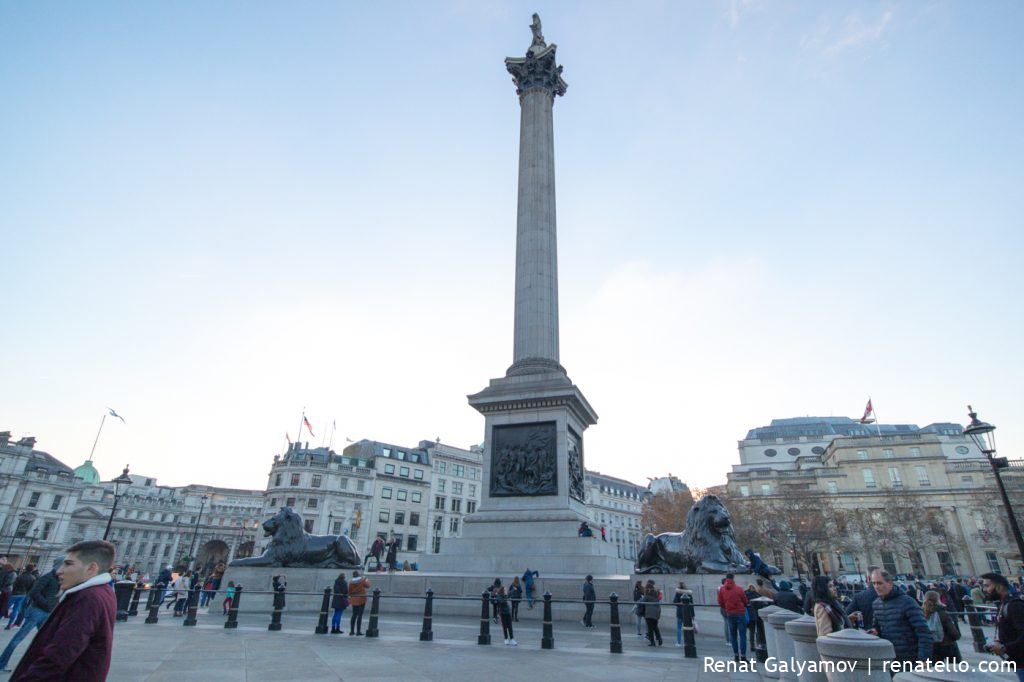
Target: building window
x,y
336,530
399,518
766,489
404,471
967,479
273,501
384,516
418,474
402,495
456,488
47,527
308,525
398,540
436,544
360,486
916,563
439,503
317,478
474,473
441,485
470,506
894,477
456,504
745,490
411,542
458,470
277,479
385,493
311,503
869,478
454,525
442,467
389,469
343,484
417,496
55,505
295,479
888,453
915,452
993,562
833,487
34,500
922,476
945,562
472,490
414,518
889,562
386,452
290,502
862,454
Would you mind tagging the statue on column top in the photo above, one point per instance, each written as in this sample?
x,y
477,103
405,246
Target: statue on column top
x,y
538,43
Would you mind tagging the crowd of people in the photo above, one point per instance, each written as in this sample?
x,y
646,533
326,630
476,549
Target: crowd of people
x,y
920,618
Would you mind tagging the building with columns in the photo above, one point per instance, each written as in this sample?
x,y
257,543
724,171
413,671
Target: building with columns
x,y
616,505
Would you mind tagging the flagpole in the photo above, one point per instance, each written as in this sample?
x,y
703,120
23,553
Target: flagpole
x,y
334,425
301,423
878,429
97,436
323,437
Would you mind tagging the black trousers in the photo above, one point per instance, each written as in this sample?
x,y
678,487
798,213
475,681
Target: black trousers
x,y
356,623
653,631
515,610
506,626
588,617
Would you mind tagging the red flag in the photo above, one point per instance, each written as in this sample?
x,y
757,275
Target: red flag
x,y
868,411
308,426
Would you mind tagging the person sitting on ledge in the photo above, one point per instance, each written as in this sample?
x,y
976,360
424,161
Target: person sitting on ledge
x,y
585,531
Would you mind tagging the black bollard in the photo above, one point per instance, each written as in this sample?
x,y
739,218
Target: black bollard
x,y
123,595
372,631
275,616
232,621
193,605
616,644
321,626
133,610
547,640
485,619
974,619
760,645
689,642
155,599
427,633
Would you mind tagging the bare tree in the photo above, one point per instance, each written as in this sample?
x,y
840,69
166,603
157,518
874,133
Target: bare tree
x,y
666,512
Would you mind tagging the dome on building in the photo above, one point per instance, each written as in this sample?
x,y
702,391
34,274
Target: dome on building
x,y
87,472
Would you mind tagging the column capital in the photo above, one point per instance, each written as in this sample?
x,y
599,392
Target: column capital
x,y
537,70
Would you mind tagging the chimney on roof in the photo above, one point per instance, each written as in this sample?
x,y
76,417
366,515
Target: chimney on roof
x,y
28,441
5,437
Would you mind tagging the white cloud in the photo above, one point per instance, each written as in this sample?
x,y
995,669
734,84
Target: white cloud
x,y
855,32
736,9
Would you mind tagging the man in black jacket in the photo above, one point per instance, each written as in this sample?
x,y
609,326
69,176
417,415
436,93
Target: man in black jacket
x,y
1009,621
785,598
589,597
864,603
899,619
41,599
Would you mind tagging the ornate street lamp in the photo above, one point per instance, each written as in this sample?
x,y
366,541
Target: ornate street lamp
x,y
22,518
192,549
121,481
796,559
984,437
839,561
330,522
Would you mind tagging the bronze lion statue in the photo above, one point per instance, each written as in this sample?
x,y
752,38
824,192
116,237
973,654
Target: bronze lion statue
x,y
292,546
707,545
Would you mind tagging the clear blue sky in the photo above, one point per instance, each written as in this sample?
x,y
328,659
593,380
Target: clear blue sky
x,y
215,214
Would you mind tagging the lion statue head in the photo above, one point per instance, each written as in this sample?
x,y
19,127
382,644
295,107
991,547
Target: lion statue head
x,y
284,527
709,535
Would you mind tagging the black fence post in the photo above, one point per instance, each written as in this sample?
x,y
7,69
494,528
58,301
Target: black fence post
x,y
155,600
325,605
427,633
547,640
372,631
123,595
689,641
616,644
759,645
232,622
193,605
974,619
133,610
275,616
485,619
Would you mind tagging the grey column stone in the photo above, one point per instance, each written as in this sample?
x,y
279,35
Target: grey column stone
x,y
783,640
857,647
769,637
935,676
804,632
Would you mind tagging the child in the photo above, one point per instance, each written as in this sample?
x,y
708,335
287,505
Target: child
x,y
229,597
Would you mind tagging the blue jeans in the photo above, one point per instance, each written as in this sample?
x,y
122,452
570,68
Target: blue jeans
x,y
15,606
336,619
679,630
738,630
33,618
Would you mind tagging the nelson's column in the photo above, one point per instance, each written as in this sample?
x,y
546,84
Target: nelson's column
x,y
533,487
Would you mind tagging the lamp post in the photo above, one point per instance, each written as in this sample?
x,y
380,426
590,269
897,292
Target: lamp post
x,y
195,535
31,541
984,437
796,559
22,518
122,480
839,561
330,522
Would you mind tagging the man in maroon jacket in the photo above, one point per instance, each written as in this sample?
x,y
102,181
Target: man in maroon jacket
x,y
75,641
732,598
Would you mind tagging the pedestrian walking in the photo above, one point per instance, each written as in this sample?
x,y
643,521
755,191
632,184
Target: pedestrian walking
x,y
357,589
733,601
392,557
945,632
638,608
899,619
7,577
505,613
1009,641
38,603
515,595
376,550
22,584
339,602
75,641
229,596
181,589
604,537
652,612
589,598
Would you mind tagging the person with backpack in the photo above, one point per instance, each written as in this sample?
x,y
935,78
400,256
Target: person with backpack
x,y
376,550
39,602
339,602
22,584
229,596
1009,642
652,613
945,631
